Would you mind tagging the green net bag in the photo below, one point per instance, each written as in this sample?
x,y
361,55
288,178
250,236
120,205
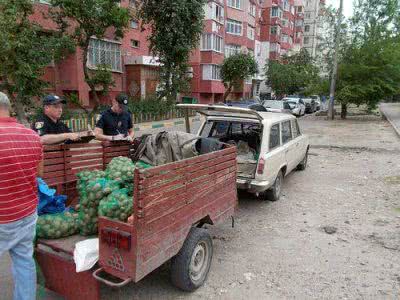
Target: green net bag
x,y
94,192
85,177
57,226
118,205
120,169
142,165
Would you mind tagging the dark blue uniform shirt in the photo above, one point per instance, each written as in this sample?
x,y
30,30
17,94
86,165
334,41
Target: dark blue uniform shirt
x,y
113,123
44,125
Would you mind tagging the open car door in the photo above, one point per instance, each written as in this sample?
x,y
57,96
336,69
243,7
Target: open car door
x,y
209,110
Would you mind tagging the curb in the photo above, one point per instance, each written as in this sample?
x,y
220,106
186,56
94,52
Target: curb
x,y
163,124
397,130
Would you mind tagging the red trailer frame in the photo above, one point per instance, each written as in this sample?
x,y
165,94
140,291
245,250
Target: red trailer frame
x,y
168,201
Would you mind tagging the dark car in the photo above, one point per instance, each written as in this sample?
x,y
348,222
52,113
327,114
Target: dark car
x,y
311,106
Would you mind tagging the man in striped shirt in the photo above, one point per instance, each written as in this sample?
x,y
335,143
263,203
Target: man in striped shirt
x,y
21,155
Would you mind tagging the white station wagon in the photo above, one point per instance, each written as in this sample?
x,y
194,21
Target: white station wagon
x,y
270,145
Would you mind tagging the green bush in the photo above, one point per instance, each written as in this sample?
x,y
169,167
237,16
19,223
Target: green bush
x,y
150,105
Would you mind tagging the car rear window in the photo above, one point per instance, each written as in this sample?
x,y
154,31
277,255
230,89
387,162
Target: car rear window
x,y
274,137
286,132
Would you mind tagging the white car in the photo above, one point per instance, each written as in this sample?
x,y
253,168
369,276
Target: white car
x,y
270,145
297,106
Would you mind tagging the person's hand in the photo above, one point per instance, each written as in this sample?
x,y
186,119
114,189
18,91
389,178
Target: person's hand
x,y
73,136
118,137
129,139
130,220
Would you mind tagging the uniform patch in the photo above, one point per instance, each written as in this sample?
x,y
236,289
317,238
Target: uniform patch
x,y
39,125
119,124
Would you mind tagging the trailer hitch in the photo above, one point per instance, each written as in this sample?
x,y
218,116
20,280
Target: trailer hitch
x,y
108,282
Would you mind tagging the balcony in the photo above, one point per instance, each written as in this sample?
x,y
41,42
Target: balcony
x,y
278,2
300,15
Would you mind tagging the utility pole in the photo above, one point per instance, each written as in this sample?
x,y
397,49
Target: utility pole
x,y
331,112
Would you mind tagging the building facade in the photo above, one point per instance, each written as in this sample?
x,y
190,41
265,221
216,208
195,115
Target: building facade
x,y
312,24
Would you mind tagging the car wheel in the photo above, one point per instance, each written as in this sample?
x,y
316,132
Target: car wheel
x,y
190,267
274,193
303,165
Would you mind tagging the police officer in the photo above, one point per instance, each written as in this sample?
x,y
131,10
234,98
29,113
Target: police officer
x,y
115,124
49,126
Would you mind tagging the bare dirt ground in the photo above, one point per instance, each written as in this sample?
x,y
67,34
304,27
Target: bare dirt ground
x,y
281,250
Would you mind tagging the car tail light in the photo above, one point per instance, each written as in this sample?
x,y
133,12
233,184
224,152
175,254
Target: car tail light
x,y
261,165
116,238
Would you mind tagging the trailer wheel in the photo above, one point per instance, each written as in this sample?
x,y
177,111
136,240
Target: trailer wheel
x,y
190,267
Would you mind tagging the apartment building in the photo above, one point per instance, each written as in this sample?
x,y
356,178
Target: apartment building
x,y
134,70
312,24
230,26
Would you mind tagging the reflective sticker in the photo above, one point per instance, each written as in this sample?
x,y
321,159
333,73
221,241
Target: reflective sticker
x,y
39,125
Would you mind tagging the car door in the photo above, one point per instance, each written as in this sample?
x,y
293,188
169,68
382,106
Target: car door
x,y
275,154
289,145
299,143
302,107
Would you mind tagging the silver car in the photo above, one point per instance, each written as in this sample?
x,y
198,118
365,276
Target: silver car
x,y
297,106
277,106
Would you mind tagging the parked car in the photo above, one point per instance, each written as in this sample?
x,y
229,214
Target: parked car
x,y
269,145
297,106
317,100
277,106
310,105
253,104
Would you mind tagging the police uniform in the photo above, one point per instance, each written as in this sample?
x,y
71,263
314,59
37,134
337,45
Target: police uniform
x,y
44,125
114,124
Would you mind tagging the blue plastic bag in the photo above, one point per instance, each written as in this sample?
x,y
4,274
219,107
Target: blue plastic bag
x,y
49,202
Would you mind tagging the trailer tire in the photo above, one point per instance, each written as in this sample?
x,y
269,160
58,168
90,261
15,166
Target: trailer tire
x,y
190,267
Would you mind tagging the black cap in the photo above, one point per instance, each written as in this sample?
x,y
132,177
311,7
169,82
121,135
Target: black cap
x,y
53,99
122,99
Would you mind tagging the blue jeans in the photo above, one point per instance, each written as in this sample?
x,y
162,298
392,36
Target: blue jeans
x,y
17,238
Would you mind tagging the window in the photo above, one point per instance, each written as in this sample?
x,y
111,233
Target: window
x,y
275,47
307,15
217,12
295,129
211,42
135,43
299,9
285,22
307,28
275,30
276,12
134,24
306,40
211,72
104,53
274,137
231,49
286,132
250,32
235,4
308,3
299,23
252,9
286,5
285,38
258,50
234,27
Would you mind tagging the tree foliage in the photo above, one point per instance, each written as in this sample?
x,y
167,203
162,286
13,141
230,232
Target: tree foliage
x,y
25,51
369,68
83,20
235,69
176,27
292,74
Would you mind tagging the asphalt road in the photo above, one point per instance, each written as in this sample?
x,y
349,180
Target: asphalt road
x,y
392,113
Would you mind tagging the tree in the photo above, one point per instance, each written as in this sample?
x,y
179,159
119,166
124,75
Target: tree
x,y
83,20
369,69
176,27
292,74
25,51
235,69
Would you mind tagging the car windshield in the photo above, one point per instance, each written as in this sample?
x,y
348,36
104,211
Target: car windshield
x,y
292,104
274,104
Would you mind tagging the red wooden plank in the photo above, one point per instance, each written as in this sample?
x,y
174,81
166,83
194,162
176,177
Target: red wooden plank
x,y
53,168
115,154
116,149
53,161
84,163
56,154
98,151
53,174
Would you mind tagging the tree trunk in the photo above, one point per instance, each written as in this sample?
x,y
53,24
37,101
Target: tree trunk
x,y
343,113
227,92
19,110
87,79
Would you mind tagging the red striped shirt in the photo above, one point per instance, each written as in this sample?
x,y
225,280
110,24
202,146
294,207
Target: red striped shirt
x,y
20,154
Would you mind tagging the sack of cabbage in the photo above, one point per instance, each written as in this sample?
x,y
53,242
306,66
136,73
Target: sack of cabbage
x,y
54,226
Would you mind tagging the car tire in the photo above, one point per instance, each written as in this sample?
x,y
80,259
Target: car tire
x,y
303,165
274,193
190,267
